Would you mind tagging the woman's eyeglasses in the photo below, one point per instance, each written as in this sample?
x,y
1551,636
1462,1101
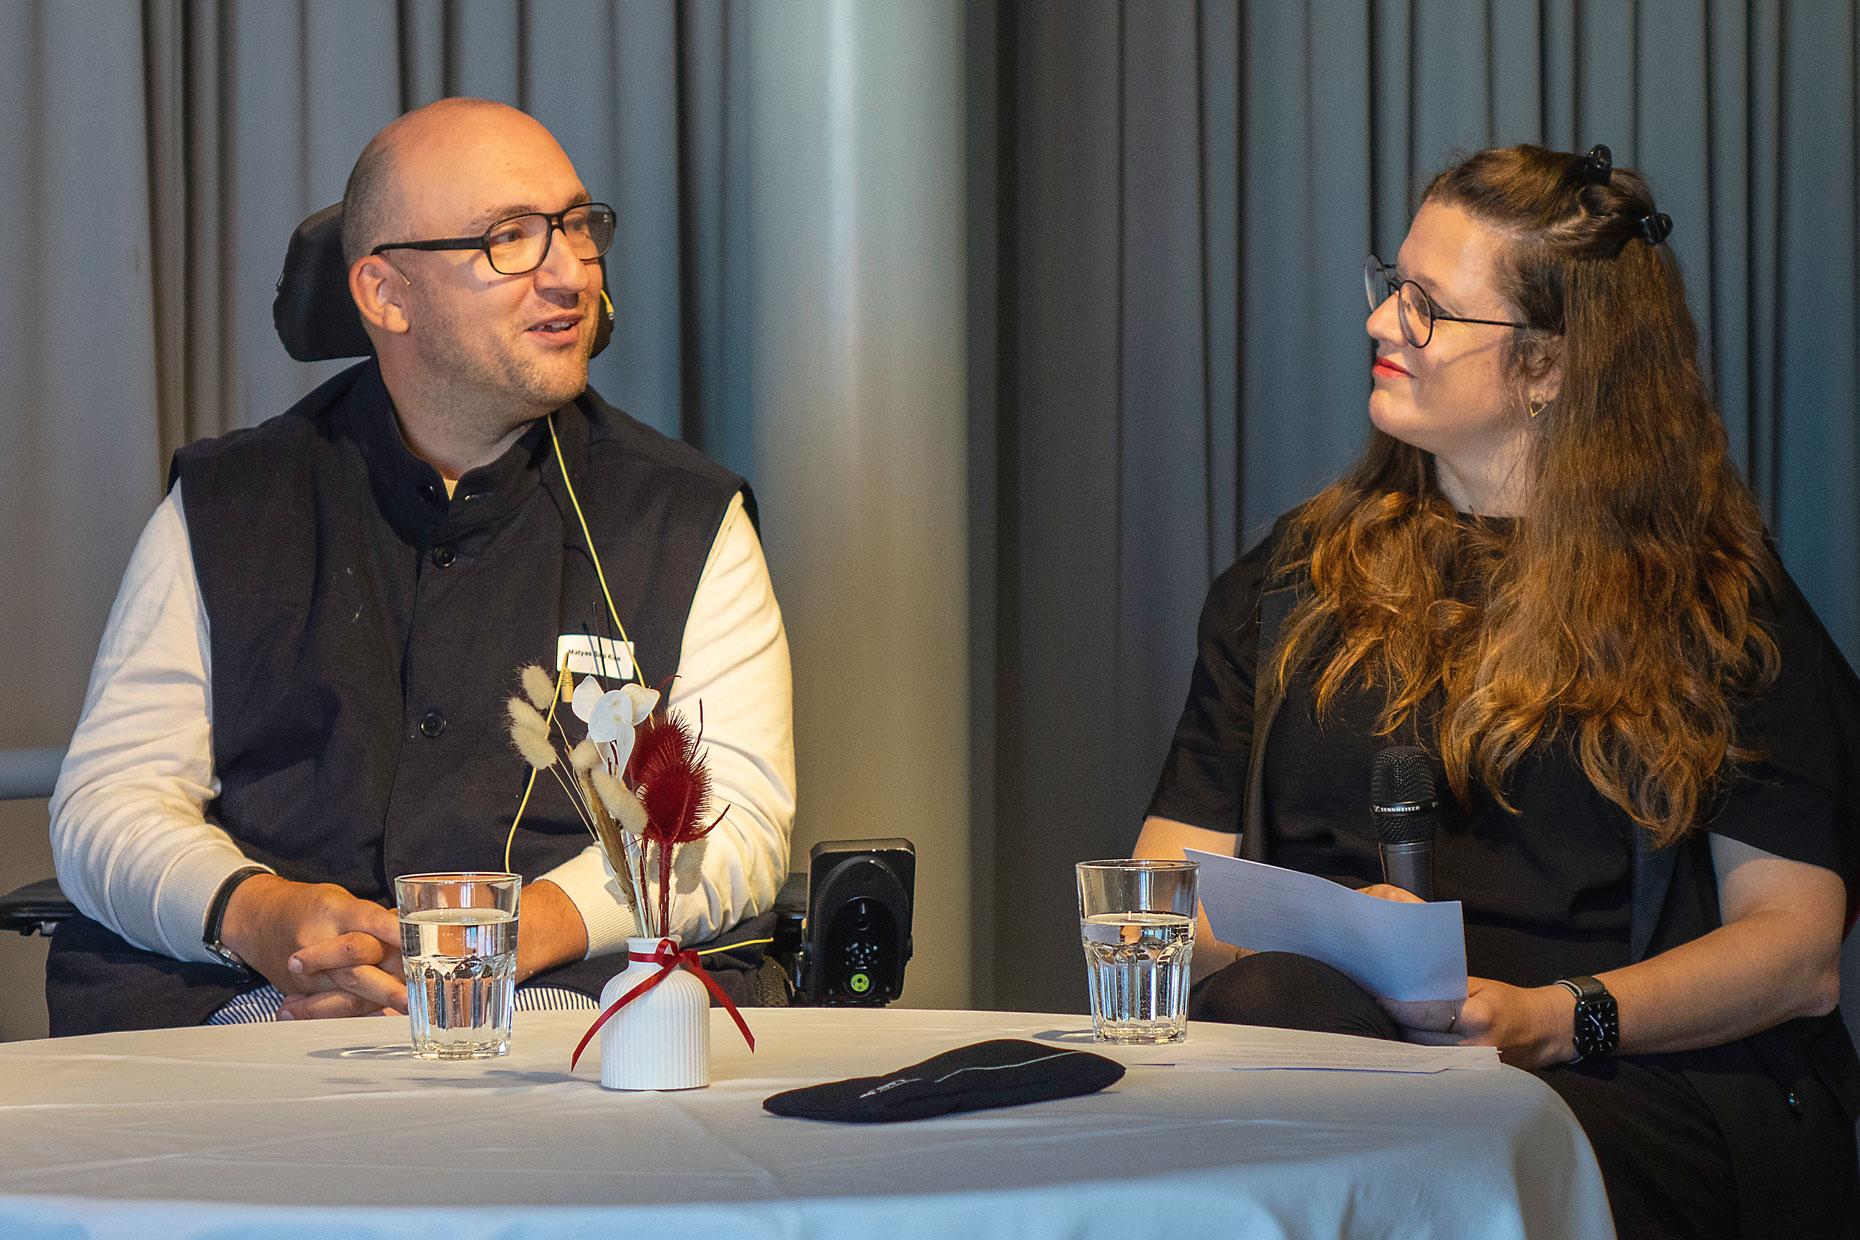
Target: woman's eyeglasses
x,y
1414,308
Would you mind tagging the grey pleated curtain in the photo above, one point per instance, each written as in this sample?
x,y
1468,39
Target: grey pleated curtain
x,y
1184,193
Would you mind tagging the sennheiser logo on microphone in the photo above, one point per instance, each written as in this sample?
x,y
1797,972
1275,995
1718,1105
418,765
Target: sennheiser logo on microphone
x,y
1402,801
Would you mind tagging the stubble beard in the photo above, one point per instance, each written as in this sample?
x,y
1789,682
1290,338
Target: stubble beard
x,y
500,376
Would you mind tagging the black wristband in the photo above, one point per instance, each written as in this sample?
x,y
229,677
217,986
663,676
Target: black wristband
x,y
216,914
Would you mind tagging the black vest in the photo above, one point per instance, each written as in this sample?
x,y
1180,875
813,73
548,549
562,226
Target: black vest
x,y
365,632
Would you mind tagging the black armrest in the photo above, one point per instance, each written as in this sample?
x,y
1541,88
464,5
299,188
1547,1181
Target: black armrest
x,y
36,908
792,899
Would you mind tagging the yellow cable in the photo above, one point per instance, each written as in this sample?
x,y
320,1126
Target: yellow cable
x,y
530,787
522,805
561,674
594,555
730,947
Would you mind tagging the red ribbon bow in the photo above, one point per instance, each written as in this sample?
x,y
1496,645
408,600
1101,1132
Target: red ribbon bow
x,y
667,956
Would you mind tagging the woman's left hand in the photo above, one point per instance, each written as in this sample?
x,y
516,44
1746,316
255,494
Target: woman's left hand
x,y
1532,1028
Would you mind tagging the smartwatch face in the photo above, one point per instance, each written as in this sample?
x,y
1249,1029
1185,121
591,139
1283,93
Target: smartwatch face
x,y
1598,1029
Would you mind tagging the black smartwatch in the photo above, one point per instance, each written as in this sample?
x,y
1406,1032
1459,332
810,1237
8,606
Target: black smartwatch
x,y
216,914
1598,1025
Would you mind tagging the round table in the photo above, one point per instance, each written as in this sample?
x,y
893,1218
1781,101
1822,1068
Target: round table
x,y
327,1129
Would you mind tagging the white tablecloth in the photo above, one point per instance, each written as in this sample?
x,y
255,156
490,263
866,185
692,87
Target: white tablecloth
x,y
331,1130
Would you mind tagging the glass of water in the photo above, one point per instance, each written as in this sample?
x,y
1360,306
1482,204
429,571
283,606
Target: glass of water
x,y
1137,919
458,940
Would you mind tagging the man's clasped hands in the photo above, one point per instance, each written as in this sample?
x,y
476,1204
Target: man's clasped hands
x,y
333,954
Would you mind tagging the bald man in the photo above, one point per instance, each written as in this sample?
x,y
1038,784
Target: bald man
x,y
299,691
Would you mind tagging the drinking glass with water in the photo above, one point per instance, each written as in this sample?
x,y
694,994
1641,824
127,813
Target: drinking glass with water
x,y
1137,920
458,939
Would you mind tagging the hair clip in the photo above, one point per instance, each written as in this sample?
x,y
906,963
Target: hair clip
x,y
1656,227
1597,166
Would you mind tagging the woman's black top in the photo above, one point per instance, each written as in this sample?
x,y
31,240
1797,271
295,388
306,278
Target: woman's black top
x,y
1546,892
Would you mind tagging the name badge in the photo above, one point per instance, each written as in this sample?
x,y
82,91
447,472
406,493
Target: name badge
x,y
589,655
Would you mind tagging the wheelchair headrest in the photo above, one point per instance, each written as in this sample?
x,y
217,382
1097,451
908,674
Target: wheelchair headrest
x,y
313,312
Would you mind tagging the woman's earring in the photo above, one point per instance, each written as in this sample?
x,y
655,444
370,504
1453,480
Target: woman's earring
x,y
1535,406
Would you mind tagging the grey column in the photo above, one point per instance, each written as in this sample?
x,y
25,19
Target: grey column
x,y
858,382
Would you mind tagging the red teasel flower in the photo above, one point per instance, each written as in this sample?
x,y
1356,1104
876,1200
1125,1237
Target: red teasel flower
x,y
673,784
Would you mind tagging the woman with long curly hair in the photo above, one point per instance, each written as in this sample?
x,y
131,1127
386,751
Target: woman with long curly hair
x,y
1546,574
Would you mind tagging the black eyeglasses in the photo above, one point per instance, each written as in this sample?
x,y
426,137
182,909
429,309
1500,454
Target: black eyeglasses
x,y
1413,306
520,244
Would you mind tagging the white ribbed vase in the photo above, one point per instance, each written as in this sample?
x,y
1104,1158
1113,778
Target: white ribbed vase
x,y
661,1040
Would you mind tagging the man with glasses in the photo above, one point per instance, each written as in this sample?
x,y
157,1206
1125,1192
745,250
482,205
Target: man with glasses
x,y
300,693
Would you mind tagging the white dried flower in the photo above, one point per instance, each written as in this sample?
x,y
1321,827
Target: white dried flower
x,y
587,693
536,750
642,700
525,718
538,687
619,801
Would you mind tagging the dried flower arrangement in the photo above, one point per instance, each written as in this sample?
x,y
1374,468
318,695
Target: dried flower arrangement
x,y
637,779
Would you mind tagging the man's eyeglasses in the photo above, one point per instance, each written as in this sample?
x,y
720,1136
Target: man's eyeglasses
x,y
1413,306
520,244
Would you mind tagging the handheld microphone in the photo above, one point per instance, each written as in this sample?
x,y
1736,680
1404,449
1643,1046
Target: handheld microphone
x,y
1401,796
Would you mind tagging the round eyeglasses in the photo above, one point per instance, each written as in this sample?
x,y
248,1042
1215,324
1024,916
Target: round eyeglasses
x,y
520,244
1413,307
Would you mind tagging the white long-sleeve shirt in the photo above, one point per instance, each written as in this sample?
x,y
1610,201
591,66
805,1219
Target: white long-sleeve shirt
x,y
135,852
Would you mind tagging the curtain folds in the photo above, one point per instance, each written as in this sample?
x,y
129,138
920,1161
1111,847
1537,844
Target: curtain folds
x,y
1186,193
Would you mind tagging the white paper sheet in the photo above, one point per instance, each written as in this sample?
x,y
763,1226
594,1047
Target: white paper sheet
x,y
1396,951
